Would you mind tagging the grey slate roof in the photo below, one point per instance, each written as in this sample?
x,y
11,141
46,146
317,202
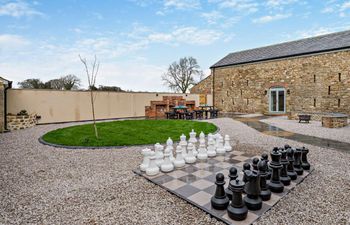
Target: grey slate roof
x,y
323,43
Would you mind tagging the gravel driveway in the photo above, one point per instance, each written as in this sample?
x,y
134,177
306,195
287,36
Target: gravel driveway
x,y
43,185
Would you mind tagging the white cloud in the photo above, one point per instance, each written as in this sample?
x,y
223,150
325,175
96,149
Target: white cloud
x,y
160,37
279,3
18,9
9,41
212,17
345,6
270,18
182,4
247,6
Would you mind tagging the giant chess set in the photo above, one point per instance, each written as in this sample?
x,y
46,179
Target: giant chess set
x,y
230,185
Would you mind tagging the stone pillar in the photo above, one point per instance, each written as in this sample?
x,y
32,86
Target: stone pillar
x,y
2,107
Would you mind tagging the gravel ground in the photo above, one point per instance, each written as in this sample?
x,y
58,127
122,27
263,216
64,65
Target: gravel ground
x,y
43,185
314,128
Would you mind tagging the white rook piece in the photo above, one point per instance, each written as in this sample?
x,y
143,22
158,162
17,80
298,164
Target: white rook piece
x,y
159,153
220,149
190,158
227,145
152,169
167,165
202,151
211,147
145,162
179,160
170,147
183,144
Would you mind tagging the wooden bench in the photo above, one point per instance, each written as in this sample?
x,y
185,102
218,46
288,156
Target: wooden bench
x,y
305,118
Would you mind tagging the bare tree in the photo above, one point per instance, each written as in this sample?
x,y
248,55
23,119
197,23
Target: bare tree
x,y
32,84
70,82
91,75
182,75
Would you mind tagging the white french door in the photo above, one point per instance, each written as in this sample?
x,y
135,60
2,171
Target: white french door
x,y
277,100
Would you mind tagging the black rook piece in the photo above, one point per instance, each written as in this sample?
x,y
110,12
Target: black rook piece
x,y
233,176
220,200
290,169
252,189
246,166
304,163
285,179
265,193
237,209
275,184
297,162
265,157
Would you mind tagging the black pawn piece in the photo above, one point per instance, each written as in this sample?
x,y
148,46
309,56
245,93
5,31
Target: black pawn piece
x,y
233,176
290,169
286,147
237,209
285,179
265,193
297,162
220,200
275,184
304,163
265,157
255,162
252,188
246,166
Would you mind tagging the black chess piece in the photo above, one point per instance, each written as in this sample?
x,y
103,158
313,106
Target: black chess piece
x,y
297,162
246,166
255,162
304,163
285,179
220,200
265,157
286,147
233,176
275,184
265,193
252,188
237,210
290,169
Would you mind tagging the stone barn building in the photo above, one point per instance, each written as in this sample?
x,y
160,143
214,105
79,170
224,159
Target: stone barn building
x,y
310,75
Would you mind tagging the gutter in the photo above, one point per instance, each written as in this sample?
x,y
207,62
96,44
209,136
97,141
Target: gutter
x,y
9,86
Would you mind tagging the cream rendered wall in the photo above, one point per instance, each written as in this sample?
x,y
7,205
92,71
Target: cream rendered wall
x,y
63,106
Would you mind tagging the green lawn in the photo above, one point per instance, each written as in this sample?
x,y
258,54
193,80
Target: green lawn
x,y
127,132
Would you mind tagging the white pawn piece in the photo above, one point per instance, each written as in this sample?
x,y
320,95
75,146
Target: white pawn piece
x,y
145,162
159,153
167,165
202,137
179,160
220,149
170,147
190,158
152,169
202,151
193,138
183,144
227,144
211,147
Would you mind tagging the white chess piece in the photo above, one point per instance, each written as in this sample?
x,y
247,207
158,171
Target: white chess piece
x,y
152,169
210,135
193,138
220,149
227,144
145,162
179,160
217,137
201,137
170,147
202,151
167,165
190,158
159,153
183,144
211,147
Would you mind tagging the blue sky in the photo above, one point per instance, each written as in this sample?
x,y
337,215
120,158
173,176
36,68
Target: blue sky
x,y
135,40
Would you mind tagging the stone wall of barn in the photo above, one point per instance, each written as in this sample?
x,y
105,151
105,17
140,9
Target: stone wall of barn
x,y
316,83
204,87
2,107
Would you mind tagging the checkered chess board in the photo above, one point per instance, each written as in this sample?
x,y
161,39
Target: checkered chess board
x,y
195,183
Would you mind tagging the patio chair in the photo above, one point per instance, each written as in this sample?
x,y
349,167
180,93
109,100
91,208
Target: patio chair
x,y
199,114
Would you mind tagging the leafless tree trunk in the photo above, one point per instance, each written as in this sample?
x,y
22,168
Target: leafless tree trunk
x,y
91,75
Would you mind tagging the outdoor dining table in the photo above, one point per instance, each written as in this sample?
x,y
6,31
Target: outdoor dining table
x,y
180,111
206,109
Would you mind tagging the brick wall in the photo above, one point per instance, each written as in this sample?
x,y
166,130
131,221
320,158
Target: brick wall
x,y
2,107
317,83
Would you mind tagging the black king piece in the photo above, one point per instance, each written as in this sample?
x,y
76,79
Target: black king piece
x,y
275,184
